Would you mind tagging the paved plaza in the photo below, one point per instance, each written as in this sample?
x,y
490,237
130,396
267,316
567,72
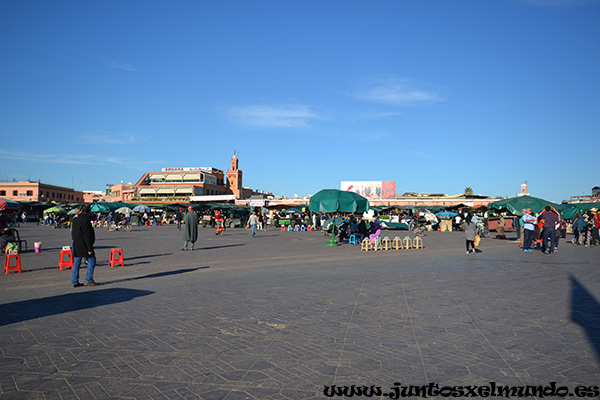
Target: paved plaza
x,y
283,316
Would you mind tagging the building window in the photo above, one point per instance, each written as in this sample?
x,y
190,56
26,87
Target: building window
x,y
15,192
30,193
2,192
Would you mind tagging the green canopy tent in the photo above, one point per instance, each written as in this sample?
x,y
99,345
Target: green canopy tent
x,y
55,209
515,205
99,207
332,200
8,206
569,210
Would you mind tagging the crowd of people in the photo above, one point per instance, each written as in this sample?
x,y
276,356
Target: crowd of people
x,y
543,231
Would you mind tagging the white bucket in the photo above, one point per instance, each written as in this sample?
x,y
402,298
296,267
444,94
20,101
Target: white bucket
x,y
37,246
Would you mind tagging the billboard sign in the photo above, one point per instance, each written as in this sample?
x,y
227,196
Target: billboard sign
x,y
372,190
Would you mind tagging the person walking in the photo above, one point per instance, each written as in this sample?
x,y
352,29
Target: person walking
x,y
178,219
83,247
190,234
528,229
253,221
469,229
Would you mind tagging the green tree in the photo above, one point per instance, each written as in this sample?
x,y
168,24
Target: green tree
x,y
469,191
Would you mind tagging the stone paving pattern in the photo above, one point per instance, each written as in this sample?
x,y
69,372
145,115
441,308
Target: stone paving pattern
x,y
282,315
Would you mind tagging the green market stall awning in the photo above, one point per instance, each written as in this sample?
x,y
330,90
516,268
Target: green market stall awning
x,y
514,205
332,200
8,206
569,210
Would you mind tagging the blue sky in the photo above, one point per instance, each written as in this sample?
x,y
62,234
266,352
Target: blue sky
x,y
436,95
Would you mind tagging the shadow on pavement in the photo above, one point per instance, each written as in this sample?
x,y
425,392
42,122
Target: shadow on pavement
x,y
149,256
585,311
156,275
36,308
219,247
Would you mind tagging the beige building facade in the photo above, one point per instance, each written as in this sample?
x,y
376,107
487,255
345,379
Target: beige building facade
x,y
37,191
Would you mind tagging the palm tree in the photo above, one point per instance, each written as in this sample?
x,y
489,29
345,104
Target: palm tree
x,y
469,191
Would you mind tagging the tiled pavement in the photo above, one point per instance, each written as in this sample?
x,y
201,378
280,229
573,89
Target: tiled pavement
x,y
282,316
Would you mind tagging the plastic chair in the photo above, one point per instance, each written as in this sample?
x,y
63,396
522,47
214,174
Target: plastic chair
x,y
61,261
16,238
116,258
8,267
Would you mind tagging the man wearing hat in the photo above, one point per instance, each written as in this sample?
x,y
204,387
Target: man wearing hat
x,y
83,246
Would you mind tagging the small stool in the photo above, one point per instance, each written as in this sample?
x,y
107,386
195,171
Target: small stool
x,y
407,243
418,242
386,243
303,228
282,228
352,239
68,263
8,267
289,228
116,258
296,228
309,228
397,243
366,245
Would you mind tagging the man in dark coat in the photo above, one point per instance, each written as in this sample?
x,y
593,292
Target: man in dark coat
x,y
190,234
83,246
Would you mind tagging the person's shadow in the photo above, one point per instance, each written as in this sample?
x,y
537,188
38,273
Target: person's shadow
x,y
585,311
36,308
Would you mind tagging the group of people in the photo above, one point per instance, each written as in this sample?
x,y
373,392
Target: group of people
x,y
585,228
358,227
545,230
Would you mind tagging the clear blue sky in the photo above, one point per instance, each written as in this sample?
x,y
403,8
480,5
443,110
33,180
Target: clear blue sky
x,y
437,95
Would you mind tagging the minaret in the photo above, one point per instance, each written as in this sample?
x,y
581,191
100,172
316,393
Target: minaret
x,y
234,177
524,190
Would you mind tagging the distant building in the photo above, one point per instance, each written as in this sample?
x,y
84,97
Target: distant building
x,y
91,196
171,185
178,184
37,191
123,192
595,196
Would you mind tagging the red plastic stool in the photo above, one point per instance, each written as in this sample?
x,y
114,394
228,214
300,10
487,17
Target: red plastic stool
x,y
61,261
116,258
309,228
7,266
282,228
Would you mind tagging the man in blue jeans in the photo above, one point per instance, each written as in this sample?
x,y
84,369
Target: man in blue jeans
x,y
528,229
550,218
83,246
253,221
